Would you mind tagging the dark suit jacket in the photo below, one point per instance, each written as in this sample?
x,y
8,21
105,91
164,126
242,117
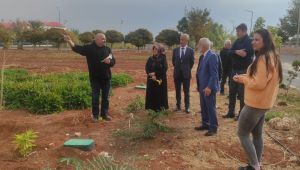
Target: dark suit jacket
x,y
185,64
208,72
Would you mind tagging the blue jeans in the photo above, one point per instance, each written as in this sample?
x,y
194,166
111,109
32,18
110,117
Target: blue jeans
x,y
208,111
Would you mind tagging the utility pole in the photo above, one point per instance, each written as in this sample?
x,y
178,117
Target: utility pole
x,y
298,30
58,14
250,11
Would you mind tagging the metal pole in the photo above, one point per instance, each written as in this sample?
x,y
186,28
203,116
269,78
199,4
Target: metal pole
x,y
251,11
298,25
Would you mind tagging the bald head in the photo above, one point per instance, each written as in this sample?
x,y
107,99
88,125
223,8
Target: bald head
x,y
100,39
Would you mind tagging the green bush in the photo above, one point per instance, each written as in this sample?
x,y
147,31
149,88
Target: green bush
x,y
121,79
50,93
137,104
271,115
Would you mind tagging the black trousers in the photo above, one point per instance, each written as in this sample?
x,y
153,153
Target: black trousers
x,y
234,90
186,90
103,86
226,74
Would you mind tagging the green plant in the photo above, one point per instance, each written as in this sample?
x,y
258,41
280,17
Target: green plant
x,y
273,114
292,74
50,93
145,127
25,142
100,162
136,105
121,79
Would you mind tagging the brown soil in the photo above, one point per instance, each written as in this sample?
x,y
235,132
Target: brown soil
x,y
182,149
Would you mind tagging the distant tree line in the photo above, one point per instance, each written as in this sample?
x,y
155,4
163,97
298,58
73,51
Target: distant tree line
x,y
197,23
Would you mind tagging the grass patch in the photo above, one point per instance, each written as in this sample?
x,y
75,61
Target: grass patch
x,y
50,93
273,114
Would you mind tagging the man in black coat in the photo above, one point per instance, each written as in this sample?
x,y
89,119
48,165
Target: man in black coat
x,y
226,64
183,62
99,59
242,55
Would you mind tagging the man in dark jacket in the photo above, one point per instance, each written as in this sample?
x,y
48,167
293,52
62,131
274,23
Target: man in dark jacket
x,y
242,56
99,59
226,64
183,62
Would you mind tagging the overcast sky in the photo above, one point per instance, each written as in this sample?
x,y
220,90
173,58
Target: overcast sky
x,y
155,15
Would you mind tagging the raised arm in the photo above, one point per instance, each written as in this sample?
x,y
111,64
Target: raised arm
x,y
76,48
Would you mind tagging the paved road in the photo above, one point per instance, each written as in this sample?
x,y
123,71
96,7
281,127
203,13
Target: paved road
x,y
287,60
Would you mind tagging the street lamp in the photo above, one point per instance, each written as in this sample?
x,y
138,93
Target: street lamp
x,y
250,11
298,30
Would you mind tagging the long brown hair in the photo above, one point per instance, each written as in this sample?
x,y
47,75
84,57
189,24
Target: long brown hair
x,y
266,50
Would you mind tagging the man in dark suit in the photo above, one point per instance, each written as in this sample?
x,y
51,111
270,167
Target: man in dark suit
x,y
208,85
183,61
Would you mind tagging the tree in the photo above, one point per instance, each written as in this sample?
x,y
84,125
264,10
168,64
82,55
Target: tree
x,y
259,23
276,37
139,38
97,31
86,37
199,23
5,37
113,36
169,37
217,35
289,23
18,28
55,35
34,36
36,25
183,25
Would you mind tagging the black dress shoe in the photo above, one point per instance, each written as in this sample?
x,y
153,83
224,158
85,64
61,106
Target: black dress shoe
x,y
211,133
201,128
228,116
249,167
187,110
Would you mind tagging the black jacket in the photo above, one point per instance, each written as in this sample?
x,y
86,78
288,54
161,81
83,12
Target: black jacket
x,y
226,60
185,64
94,57
238,62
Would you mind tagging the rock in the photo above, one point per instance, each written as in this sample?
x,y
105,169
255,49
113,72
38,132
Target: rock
x,y
283,124
77,134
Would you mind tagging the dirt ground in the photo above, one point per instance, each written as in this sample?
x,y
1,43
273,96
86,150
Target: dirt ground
x,y
182,149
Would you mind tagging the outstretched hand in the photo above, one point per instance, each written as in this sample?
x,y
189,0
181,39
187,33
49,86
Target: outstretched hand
x,y
68,39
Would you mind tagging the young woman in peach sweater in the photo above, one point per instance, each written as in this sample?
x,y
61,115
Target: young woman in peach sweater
x,y
261,88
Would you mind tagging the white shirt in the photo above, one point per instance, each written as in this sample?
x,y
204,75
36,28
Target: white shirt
x,y
205,54
182,48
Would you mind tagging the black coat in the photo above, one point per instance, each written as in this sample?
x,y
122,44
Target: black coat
x,y
184,65
157,95
94,56
226,60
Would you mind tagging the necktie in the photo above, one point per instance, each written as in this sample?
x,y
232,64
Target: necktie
x,y
182,53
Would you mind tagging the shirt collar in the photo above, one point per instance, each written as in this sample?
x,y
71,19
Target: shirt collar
x,y
205,53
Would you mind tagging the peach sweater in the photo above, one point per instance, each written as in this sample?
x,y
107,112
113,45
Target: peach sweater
x,y
261,89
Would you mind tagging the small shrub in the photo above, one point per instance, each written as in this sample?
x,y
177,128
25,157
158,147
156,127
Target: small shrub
x,y
136,105
271,115
25,142
145,127
100,162
121,80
